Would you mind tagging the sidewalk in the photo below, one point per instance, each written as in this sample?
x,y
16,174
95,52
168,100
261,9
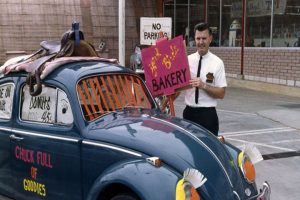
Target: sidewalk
x,y
280,108
282,102
264,87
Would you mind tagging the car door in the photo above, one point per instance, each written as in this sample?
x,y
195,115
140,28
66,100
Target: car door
x,y
7,88
45,145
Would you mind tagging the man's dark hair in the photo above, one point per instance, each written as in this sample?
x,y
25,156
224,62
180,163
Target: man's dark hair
x,y
202,26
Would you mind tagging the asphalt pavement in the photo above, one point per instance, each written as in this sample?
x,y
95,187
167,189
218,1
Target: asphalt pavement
x,y
271,122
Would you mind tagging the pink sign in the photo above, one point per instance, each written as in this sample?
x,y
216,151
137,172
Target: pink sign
x,y
166,66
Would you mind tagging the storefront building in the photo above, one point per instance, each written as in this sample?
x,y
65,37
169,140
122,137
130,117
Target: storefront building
x,y
267,23
257,39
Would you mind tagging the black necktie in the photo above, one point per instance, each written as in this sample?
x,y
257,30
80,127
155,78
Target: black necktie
x,y
198,75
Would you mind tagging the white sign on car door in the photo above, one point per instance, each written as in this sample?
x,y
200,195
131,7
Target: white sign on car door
x,y
153,28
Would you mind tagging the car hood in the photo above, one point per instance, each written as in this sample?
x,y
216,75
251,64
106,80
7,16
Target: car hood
x,y
179,143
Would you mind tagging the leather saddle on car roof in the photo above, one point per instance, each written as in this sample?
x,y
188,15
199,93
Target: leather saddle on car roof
x,y
71,44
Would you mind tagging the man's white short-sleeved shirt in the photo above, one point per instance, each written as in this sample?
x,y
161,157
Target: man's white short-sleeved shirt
x,y
210,65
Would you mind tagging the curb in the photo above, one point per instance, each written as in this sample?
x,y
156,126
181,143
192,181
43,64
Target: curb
x,y
263,87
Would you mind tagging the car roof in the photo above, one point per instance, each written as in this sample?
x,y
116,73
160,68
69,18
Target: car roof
x,y
80,69
76,69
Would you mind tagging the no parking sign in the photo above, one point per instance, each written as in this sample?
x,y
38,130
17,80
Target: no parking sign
x,y
153,28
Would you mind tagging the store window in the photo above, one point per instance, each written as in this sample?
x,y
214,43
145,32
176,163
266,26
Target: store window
x,y
230,23
213,18
264,26
185,15
197,15
286,23
277,27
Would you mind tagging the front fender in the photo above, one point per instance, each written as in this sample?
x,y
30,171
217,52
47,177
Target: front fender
x,y
141,177
234,151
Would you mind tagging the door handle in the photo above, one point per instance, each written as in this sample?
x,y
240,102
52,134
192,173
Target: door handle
x,y
14,137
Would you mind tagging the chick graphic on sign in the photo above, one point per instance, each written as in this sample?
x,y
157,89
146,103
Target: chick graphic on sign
x,y
186,187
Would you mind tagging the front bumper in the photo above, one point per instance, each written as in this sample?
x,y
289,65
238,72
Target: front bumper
x,y
264,193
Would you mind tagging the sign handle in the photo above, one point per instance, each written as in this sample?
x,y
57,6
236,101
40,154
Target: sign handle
x,y
171,104
170,101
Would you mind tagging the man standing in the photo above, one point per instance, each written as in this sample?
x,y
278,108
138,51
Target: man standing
x,y
208,82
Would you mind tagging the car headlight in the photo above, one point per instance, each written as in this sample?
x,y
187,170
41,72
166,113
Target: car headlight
x,y
247,167
185,190
186,187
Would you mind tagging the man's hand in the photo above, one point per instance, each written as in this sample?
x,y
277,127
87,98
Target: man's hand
x,y
198,83
215,92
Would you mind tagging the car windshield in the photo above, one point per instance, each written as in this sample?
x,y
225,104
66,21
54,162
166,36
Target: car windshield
x,y
102,94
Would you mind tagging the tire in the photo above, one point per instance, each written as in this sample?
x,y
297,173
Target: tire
x,y
124,196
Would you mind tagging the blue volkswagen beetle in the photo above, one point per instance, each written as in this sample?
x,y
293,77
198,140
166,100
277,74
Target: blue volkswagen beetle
x,y
85,128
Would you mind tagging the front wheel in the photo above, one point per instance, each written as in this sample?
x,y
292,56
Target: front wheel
x,y
124,196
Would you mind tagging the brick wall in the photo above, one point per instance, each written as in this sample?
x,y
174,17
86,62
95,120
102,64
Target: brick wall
x,y
24,24
271,65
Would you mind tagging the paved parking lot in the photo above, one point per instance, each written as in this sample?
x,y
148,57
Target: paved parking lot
x,y
272,123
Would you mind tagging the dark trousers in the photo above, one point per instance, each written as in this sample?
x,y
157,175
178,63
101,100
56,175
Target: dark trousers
x,y
206,117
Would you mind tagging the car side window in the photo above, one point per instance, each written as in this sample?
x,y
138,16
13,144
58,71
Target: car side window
x,y
51,106
64,111
6,100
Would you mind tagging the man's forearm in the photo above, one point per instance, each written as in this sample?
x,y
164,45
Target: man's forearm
x,y
215,92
